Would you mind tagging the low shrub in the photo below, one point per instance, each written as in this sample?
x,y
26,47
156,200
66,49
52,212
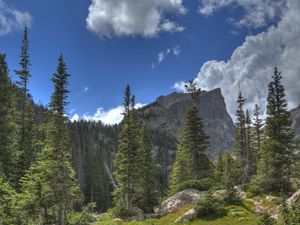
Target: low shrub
x,y
266,219
208,205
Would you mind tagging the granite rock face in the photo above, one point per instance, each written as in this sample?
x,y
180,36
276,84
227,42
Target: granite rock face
x,y
295,115
168,112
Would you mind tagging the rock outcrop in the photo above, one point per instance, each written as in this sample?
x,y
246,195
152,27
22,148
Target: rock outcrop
x,y
295,115
168,112
180,200
187,216
295,197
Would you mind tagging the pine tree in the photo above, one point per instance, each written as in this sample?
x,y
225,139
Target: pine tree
x,y
127,158
26,136
49,187
277,151
8,127
148,196
220,168
248,170
191,160
229,175
256,135
242,139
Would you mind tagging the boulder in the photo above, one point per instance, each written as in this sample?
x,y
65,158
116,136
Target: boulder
x,y
180,200
220,194
273,199
187,216
295,197
117,220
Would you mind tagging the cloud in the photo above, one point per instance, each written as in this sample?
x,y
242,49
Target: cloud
x,y
12,19
109,18
75,118
85,89
164,54
176,50
252,64
257,13
110,117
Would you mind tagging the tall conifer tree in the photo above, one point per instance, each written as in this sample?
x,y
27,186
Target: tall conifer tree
x,y
277,151
191,160
26,134
127,158
49,186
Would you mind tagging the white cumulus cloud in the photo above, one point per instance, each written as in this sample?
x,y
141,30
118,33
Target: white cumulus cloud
x,y
252,64
110,117
12,19
147,18
257,12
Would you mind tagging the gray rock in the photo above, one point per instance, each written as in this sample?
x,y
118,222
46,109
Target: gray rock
x,y
295,197
295,116
220,194
187,216
180,200
168,112
273,199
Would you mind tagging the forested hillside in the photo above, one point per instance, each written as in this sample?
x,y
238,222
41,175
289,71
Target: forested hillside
x,y
54,171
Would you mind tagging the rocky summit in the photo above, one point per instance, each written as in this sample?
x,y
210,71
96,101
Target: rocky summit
x,y
167,114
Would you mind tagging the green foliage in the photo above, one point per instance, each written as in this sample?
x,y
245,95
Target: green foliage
x,y
231,196
277,152
266,219
191,160
220,168
134,163
292,214
84,217
9,212
8,127
147,196
209,205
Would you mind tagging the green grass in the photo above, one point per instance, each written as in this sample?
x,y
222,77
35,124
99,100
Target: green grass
x,y
234,215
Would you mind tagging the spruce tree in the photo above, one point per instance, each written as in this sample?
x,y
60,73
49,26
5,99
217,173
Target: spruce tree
x,y
277,151
220,168
191,160
248,170
127,158
240,138
26,120
49,187
256,135
8,127
148,196
229,176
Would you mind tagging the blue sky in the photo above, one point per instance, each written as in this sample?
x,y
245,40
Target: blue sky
x,y
103,59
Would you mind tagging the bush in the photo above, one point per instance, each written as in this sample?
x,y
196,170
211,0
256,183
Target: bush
x,y
232,197
120,211
208,205
266,219
252,190
202,185
84,217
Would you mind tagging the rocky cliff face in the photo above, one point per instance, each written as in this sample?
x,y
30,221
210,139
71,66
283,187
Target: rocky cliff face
x,y
167,113
295,115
